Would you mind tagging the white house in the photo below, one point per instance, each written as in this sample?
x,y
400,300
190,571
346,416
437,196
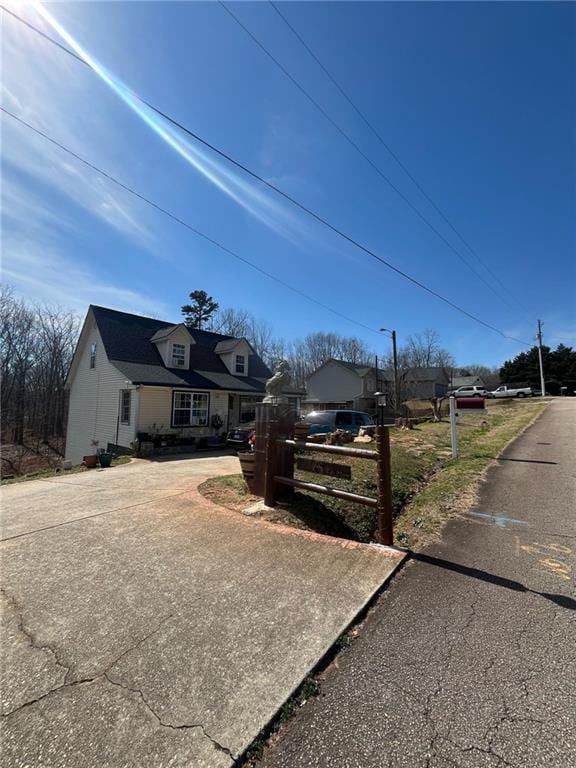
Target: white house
x,y
133,374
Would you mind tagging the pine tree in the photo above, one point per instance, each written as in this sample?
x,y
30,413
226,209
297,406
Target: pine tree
x,y
201,310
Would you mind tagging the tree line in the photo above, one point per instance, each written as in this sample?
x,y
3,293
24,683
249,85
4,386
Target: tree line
x,y
37,344
559,369
36,348
420,350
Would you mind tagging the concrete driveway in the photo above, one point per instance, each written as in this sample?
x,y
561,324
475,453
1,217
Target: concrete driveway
x,y
143,625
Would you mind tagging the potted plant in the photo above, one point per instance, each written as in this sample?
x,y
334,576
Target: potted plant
x,y
91,459
105,458
247,461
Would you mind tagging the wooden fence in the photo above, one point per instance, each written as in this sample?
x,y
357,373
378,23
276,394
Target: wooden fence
x,y
275,451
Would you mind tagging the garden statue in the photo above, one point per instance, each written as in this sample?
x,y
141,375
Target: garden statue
x,y
276,385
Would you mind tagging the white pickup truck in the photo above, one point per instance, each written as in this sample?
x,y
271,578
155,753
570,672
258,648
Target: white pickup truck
x,y
506,391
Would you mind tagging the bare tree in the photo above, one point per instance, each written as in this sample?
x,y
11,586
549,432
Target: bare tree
x,y
477,369
261,337
232,322
309,353
36,348
423,350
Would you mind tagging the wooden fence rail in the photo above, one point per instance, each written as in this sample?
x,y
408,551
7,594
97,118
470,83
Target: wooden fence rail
x,y
383,503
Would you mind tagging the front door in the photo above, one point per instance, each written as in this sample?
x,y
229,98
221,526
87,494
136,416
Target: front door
x,y
231,411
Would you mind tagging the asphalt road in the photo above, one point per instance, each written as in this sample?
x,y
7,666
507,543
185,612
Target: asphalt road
x,y
469,659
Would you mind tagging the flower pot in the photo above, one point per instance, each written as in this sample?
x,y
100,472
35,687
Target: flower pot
x,y
247,460
105,460
90,461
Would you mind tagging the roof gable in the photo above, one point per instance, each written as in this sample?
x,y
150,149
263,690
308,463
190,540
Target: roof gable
x,y
230,344
165,333
426,374
128,338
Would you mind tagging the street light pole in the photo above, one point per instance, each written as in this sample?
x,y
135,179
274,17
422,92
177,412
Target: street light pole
x,y
396,380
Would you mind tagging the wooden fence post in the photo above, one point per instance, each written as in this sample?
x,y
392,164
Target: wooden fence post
x,y
271,464
385,510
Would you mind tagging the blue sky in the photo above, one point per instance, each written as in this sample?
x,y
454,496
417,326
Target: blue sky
x,y
477,99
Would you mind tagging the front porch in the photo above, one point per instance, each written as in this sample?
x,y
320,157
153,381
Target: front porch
x,y
175,420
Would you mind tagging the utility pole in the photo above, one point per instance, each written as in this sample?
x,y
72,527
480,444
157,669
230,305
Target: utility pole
x,y
396,379
539,337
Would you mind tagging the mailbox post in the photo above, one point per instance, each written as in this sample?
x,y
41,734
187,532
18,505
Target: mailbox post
x,y
453,427
460,405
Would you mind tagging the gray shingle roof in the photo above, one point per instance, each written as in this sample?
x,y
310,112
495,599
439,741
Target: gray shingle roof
x,y
128,343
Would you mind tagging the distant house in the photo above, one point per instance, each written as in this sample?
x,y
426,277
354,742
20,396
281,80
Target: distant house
x,y
133,374
338,384
424,383
467,381
489,381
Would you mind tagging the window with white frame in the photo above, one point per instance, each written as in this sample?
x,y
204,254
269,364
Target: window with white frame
x,y
93,355
240,363
125,406
190,409
178,355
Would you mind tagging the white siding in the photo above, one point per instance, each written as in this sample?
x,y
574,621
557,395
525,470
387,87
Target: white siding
x,y
229,359
179,336
334,383
94,401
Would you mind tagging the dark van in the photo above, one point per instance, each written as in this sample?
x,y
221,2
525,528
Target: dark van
x,y
321,422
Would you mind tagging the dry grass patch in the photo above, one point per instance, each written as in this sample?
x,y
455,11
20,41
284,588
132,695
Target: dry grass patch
x,y
427,485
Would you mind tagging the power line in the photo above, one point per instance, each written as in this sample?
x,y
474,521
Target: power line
x,y
358,149
63,48
303,207
390,151
193,229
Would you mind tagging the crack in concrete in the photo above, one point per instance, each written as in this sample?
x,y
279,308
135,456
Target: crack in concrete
x,y
465,750
105,675
29,635
449,644
163,723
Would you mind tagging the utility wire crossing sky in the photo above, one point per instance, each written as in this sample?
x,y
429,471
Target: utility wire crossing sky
x,y
251,189
131,98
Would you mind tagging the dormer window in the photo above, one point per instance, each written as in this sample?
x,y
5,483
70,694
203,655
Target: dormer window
x,y
240,364
178,355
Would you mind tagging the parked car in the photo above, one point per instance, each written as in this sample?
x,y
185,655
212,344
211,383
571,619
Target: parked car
x,y
507,391
321,422
242,438
472,391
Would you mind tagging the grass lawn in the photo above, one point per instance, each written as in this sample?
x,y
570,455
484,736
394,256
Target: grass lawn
x,y
41,473
427,484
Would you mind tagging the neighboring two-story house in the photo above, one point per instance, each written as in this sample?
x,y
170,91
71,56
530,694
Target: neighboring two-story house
x,y
133,374
337,384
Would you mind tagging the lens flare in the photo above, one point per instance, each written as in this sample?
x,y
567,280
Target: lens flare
x,y
242,192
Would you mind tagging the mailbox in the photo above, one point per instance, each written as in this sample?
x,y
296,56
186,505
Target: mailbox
x,y
470,404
